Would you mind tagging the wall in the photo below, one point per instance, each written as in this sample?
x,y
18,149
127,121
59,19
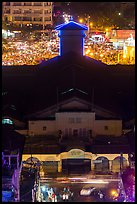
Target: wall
x,y
108,127
81,121
71,40
74,120
65,155
36,127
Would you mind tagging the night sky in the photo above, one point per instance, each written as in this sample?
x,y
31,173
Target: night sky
x,y
108,11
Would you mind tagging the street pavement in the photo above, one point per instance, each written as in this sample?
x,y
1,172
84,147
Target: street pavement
x,y
76,186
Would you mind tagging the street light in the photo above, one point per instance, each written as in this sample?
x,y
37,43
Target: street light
x,y
88,22
91,24
81,20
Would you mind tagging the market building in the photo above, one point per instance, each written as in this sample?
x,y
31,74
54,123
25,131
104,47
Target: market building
x,y
72,108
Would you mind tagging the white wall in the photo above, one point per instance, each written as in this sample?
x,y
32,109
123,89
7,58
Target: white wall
x,y
74,120
36,127
67,121
114,127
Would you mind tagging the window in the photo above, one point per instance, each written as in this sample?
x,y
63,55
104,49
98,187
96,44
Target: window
x,y
17,18
16,4
47,11
78,120
37,4
105,127
7,11
74,120
38,11
7,3
46,4
27,19
17,12
47,18
27,11
75,132
38,19
27,4
44,128
7,121
71,120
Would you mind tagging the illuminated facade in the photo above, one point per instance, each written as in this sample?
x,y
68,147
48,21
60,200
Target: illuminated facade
x,y
28,13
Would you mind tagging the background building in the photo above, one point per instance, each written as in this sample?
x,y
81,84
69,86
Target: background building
x,y
28,13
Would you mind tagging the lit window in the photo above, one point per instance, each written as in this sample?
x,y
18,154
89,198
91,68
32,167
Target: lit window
x,y
7,121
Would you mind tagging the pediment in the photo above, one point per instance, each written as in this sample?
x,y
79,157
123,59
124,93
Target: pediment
x,y
73,104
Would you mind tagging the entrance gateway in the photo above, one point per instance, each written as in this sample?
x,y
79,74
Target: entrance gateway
x,y
76,163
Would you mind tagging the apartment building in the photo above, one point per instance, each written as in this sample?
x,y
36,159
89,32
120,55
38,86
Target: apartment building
x,y
28,13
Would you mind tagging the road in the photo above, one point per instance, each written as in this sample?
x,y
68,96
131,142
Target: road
x,y
76,185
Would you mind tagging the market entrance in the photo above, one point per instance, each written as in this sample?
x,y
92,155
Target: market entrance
x,y
76,166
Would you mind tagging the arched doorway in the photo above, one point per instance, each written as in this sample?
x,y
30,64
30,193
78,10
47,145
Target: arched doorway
x,y
101,164
75,162
33,160
119,162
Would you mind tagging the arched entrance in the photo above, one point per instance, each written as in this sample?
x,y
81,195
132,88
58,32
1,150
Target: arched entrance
x,y
76,163
119,162
33,160
101,164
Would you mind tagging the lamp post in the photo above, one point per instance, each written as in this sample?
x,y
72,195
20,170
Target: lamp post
x,y
88,22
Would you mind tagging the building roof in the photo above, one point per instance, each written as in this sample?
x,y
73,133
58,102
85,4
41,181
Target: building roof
x,y
71,25
34,88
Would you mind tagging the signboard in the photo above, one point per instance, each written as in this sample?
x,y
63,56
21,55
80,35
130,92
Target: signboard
x,y
122,34
97,161
76,153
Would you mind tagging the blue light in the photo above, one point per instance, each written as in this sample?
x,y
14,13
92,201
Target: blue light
x,y
71,24
43,188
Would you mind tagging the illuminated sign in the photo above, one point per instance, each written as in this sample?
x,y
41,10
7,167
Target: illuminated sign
x,y
76,153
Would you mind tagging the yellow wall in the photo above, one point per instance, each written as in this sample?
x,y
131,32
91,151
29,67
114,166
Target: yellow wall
x,y
75,153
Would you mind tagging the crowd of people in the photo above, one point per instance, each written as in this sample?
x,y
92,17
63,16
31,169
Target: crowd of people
x,y
28,52
49,194
32,51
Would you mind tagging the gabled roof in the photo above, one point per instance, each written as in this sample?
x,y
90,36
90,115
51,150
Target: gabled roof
x,y
35,89
71,25
73,104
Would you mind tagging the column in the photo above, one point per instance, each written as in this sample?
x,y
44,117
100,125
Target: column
x,y
92,165
110,165
60,166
